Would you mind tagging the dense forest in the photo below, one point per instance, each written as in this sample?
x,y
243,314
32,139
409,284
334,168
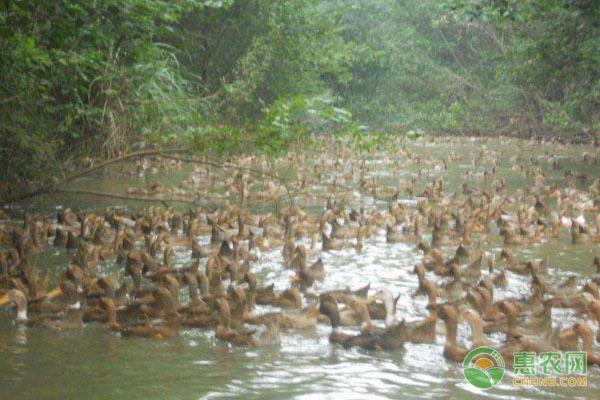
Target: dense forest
x,y
87,80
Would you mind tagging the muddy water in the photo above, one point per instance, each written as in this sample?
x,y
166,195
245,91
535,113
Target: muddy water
x,y
91,363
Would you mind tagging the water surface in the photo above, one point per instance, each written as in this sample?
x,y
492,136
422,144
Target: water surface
x,y
91,363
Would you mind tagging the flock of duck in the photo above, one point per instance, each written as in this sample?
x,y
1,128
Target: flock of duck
x,y
150,296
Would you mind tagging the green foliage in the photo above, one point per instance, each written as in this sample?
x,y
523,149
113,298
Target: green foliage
x,y
418,68
295,120
87,77
255,52
550,52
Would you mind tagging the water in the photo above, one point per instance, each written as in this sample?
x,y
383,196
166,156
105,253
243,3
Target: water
x,y
92,363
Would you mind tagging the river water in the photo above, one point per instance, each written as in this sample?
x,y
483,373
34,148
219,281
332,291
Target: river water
x,y
91,363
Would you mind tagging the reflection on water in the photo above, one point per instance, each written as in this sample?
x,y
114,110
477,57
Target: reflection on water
x,y
90,363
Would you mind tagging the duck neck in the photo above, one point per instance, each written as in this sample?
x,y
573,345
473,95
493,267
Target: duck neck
x,y
367,324
21,306
487,302
511,322
476,332
203,283
193,290
137,280
303,265
326,240
21,314
313,242
587,341
225,319
241,226
456,279
451,329
111,317
390,316
509,260
166,258
359,242
432,297
420,276
3,265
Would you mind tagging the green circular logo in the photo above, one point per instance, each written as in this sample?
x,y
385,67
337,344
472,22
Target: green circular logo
x,y
483,367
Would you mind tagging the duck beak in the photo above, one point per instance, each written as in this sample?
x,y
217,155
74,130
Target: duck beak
x,y
4,299
57,291
371,300
295,279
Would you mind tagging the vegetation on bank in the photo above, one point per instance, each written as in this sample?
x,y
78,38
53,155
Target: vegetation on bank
x,y
83,80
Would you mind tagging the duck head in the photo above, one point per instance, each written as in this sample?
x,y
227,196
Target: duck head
x,y
448,313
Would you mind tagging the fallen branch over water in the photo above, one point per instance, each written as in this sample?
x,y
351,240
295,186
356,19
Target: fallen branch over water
x,y
53,187
164,201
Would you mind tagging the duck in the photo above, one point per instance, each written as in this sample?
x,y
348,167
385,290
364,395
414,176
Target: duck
x,y
421,331
522,268
243,337
31,283
473,269
196,303
392,235
263,295
356,313
432,292
54,320
390,303
434,261
391,338
515,334
339,231
289,298
452,350
596,265
328,306
329,244
584,331
462,251
345,295
306,277
361,310
19,300
169,328
477,323
297,261
292,319
419,270
454,289
565,339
